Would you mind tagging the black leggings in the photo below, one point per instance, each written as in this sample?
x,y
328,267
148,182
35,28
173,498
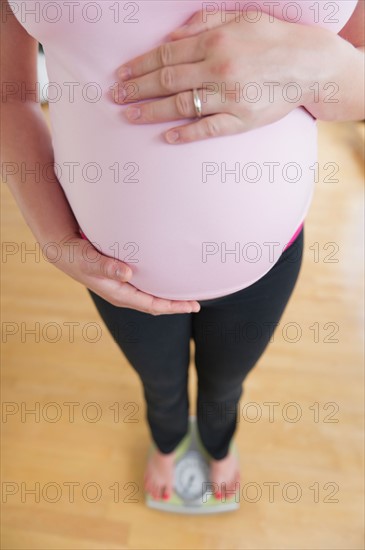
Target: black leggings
x,y
230,334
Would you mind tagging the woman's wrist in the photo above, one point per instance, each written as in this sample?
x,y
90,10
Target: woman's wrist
x,y
334,85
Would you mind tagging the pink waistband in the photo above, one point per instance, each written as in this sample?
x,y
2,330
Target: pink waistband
x,y
294,236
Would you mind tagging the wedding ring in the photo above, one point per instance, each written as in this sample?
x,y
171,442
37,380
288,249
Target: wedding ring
x,y
197,103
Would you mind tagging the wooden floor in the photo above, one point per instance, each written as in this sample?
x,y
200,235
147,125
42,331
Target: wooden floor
x,y
302,481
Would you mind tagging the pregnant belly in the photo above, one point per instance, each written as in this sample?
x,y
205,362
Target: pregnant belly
x,y
193,221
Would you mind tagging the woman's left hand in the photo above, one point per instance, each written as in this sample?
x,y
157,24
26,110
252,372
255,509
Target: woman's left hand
x,y
248,74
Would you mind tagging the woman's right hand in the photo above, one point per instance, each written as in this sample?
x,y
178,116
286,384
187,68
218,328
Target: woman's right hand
x,y
108,278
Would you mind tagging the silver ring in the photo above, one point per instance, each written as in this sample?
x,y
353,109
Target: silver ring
x,y
197,103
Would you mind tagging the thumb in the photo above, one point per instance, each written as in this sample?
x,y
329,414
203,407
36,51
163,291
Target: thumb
x,y
203,20
107,267
112,268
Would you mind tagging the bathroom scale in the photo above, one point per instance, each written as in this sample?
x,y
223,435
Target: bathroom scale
x,y
193,492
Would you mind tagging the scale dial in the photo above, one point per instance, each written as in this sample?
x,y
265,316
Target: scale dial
x,y
191,476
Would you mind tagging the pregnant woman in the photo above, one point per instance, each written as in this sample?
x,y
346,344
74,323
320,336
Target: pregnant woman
x,y
176,178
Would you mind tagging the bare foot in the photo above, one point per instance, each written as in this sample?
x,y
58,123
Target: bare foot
x,y
159,475
225,473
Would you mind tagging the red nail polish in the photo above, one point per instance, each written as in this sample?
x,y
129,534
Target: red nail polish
x,y
218,495
166,496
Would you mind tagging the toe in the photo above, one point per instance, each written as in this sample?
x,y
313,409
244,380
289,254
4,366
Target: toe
x,y
225,487
156,492
162,491
231,489
167,491
233,485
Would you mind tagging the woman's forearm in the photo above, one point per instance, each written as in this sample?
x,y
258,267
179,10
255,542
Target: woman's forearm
x,y
27,168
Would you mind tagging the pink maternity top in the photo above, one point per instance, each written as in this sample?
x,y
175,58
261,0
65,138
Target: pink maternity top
x,y
193,221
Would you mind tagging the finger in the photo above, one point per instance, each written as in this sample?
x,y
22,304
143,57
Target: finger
x,y
174,107
168,53
222,124
103,266
163,82
154,305
203,20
